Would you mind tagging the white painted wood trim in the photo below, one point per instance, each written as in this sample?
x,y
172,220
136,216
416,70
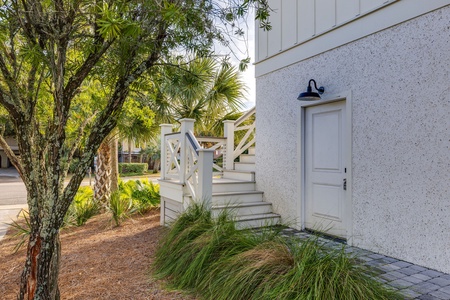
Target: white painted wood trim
x,y
205,175
165,129
386,16
347,97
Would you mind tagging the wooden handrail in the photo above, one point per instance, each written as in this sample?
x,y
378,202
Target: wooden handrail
x,y
245,116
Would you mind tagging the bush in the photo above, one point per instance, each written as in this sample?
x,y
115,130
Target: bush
x,y
143,193
119,207
213,258
82,208
132,168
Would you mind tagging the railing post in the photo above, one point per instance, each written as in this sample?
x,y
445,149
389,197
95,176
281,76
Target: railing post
x,y
205,175
186,126
229,146
165,129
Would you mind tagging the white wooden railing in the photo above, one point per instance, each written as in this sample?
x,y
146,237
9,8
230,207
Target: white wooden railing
x,y
184,161
192,161
218,145
233,129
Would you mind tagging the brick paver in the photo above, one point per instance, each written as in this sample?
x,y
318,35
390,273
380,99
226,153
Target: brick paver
x,y
412,281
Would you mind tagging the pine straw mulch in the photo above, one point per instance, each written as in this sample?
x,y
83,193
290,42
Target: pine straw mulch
x,y
98,261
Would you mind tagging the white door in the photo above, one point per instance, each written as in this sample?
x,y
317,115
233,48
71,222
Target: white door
x,y
325,169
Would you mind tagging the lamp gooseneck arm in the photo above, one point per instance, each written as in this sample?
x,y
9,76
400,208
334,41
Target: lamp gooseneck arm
x,y
320,89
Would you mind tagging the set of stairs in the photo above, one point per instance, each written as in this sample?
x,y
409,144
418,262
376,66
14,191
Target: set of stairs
x,y
236,192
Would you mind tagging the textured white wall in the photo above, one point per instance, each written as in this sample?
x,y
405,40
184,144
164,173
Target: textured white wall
x,y
400,84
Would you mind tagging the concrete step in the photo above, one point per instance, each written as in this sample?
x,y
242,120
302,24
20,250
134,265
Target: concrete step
x,y
247,158
256,221
239,175
224,185
244,209
241,166
233,198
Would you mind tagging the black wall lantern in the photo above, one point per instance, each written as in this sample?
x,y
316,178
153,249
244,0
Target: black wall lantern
x,y
309,95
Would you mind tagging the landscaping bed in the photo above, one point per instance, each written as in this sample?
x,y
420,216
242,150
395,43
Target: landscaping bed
x,y
99,261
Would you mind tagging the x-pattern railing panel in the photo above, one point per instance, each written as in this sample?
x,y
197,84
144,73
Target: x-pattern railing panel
x,y
249,139
215,143
173,144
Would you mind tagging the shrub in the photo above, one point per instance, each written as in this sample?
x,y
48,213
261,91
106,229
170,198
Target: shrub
x,y
120,207
82,208
132,168
143,193
213,258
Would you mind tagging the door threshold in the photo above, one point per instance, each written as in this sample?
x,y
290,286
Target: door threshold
x,y
326,236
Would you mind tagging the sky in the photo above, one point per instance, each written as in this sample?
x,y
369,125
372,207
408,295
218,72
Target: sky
x,y
242,49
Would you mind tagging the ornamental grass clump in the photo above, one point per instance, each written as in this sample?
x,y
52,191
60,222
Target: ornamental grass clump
x,y
212,258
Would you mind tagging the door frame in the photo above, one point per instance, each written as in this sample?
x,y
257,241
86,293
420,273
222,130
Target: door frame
x,y
348,210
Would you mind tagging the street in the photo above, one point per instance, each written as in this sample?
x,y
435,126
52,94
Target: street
x,y
12,193
13,197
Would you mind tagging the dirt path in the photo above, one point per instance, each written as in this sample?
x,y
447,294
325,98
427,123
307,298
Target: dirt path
x,y
98,261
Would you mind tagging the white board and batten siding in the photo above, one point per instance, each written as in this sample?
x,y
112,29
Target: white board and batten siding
x,y
304,28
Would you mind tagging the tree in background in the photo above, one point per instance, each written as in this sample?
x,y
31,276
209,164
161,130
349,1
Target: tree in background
x,y
202,89
134,124
50,51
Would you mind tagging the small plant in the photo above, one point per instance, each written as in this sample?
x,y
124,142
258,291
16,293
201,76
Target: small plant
x,y
22,231
145,196
143,193
82,208
120,207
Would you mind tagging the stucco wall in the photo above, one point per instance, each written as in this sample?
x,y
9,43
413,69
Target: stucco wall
x,y
400,84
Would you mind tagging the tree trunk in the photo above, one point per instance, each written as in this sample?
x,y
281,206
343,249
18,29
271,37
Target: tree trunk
x,y
40,276
156,166
129,151
102,187
114,164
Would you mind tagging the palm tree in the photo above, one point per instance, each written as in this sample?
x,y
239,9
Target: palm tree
x,y
102,186
135,124
201,89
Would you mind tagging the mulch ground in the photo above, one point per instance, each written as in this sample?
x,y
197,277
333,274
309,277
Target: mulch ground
x,y
98,261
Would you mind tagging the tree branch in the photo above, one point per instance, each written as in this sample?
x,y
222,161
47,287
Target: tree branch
x,y
10,154
77,79
11,85
80,135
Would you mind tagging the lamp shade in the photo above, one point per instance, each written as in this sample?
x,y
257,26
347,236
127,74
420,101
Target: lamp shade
x,y
309,95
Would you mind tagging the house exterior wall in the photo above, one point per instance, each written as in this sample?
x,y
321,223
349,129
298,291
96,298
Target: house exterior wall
x,y
297,21
399,81
304,28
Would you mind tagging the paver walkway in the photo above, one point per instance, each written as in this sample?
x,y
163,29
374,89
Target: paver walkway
x,y
413,281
